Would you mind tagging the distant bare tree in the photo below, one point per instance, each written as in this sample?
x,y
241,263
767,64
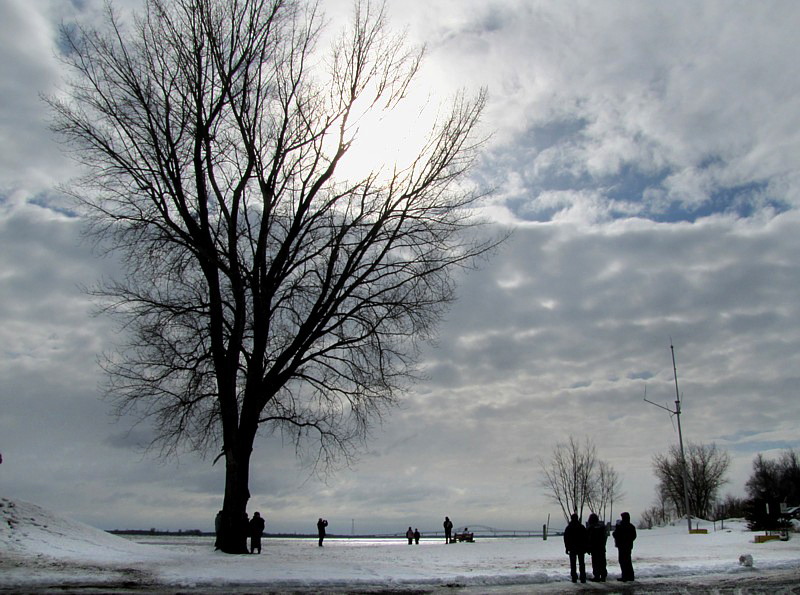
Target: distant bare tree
x,y
607,489
776,479
658,515
706,468
264,292
649,518
569,478
765,479
730,507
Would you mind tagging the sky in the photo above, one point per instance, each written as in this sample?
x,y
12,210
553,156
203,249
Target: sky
x,y
644,155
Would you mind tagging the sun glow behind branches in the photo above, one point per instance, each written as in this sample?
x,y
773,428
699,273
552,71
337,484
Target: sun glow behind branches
x,y
386,140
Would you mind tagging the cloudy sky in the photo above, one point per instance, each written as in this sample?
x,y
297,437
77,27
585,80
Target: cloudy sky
x,y
645,154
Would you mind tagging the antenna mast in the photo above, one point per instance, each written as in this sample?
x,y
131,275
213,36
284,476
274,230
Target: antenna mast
x,y
677,414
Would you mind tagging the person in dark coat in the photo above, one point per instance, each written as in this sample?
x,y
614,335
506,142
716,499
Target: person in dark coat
x,y
575,541
321,524
624,536
448,529
256,529
596,533
410,536
416,536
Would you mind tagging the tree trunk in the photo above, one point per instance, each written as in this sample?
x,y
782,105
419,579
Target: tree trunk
x,y
232,537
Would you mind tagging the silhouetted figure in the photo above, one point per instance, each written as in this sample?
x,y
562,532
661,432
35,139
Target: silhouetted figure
x,y
597,548
575,541
410,536
624,536
256,529
416,536
448,529
321,524
217,528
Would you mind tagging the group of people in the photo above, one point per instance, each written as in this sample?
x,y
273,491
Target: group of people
x,y
591,539
578,541
255,529
413,536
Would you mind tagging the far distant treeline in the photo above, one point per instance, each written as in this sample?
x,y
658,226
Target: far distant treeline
x,y
157,532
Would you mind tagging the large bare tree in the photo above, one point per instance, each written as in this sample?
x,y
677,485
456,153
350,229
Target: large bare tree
x,y
706,466
263,291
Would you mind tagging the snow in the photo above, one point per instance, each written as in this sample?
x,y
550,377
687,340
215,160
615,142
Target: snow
x,y
41,550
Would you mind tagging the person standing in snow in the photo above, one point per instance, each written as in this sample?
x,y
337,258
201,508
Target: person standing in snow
x,y
448,529
321,524
596,533
575,539
410,536
416,536
256,529
624,536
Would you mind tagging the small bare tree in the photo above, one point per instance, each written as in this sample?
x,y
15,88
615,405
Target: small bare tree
x,y
607,489
265,292
706,466
657,515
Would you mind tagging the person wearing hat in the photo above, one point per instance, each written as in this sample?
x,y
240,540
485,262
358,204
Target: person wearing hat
x,y
596,533
624,536
256,529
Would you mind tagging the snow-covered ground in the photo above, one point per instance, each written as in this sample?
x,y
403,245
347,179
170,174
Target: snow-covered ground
x,y
40,551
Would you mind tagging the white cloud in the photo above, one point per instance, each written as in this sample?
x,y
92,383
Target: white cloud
x,y
605,113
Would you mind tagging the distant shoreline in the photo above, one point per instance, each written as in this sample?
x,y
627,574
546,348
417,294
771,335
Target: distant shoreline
x,y
399,535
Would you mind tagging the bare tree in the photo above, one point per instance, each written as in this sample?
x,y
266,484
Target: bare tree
x,y
706,468
264,291
607,489
569,475
765,479
657,515
730,507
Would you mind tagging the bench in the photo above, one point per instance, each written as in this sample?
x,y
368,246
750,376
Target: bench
x,y
464,537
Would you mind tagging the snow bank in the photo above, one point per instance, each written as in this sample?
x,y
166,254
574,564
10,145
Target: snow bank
x,y
27,529
38,548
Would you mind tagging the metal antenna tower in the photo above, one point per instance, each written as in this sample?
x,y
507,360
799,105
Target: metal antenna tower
x,y
677,414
